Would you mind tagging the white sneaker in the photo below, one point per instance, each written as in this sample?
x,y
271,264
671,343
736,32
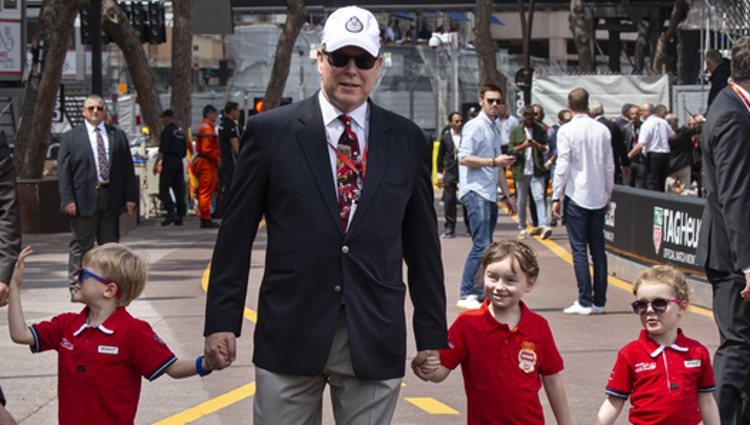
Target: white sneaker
x,y
578,309
522,234
597,310
546,233
469,303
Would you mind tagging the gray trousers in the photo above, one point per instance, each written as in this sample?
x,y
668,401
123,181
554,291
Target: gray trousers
x,y
102,227
298,400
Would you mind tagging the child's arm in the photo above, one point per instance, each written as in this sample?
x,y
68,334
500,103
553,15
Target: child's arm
x,y
609,411
553,386
709,410
186,368
19,331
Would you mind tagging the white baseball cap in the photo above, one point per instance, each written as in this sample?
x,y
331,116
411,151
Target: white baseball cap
x,y
351,26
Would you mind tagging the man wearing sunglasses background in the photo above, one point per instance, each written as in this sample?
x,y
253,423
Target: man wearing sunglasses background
x,y
345,186
96,180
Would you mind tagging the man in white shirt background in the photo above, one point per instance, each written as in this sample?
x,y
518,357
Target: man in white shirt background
x,y
505,122
584,161
654,141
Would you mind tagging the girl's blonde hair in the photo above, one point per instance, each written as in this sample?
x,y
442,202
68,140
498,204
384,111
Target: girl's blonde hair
x,y
666,275
118,263
518,251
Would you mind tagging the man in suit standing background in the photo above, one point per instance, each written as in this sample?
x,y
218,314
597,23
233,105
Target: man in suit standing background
x,y
724,247
96,181
345,186
619,150
448,167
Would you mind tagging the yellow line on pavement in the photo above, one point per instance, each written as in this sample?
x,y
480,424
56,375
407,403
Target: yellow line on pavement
x,y
431,406
210,406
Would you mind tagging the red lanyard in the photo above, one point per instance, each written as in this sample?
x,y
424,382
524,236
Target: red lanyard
x,y
741,94
346,161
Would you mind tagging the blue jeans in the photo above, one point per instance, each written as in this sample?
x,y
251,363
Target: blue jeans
x,y
482,221
586,229
537,192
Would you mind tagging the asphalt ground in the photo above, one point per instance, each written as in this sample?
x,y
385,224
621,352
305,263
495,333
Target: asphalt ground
x,y
174,299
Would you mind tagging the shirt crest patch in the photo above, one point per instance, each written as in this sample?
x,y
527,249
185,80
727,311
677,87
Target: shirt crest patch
x,y
67,344
354,25
644,366
108,349
527,357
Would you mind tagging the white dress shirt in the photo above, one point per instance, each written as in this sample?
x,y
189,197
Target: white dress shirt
x,y
504,126
655,133
91,131
585,169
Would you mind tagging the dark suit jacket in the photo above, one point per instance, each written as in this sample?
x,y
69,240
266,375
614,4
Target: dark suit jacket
x,y
619,150
724,242
312,270
76,171
446,159
10,226
719,80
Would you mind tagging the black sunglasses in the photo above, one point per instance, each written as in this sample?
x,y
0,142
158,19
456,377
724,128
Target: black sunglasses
x,y
659,305
491,101
95,108
340,60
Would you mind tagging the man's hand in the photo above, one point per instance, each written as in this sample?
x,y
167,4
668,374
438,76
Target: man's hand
x,y
70,209
556,209
130,207
510,205
504,160
745,293
157,168
220,349
420,364
626,171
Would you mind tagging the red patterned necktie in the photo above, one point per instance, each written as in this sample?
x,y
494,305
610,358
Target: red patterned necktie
x,y
347,172
101,154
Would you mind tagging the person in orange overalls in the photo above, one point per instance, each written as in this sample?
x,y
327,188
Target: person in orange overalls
x,y
206,165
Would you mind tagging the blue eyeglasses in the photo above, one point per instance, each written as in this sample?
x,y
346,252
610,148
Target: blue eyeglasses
x,y
84,273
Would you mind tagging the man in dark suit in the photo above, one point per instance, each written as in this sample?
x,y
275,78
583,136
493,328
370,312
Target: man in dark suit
x,y
172,150
720,70
724,241
96,180
345,189
448,167
619,150
10,239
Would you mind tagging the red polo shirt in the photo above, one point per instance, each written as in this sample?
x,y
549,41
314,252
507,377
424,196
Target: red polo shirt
x,y
502,367
100,368
662,382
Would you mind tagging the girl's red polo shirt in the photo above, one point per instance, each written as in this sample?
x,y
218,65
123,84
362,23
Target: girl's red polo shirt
x,y
502,367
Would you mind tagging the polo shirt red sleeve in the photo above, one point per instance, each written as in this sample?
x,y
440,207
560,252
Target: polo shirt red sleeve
x,y
706,382
48,335
149,354
621,378
550,360
457,349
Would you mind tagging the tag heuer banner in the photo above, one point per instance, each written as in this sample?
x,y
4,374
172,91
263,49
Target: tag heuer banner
x,y
654,228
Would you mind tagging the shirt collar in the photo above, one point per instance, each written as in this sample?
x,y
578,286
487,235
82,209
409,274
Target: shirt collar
x,y
654,348
108,327
490,324
486,117
90,128
332,113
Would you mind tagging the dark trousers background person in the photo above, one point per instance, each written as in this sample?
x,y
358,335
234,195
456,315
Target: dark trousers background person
x,y
586,232
101,227
450,205
657,170
172,177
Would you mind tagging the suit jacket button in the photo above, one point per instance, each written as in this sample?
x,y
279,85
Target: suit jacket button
x,y
345,249
337,289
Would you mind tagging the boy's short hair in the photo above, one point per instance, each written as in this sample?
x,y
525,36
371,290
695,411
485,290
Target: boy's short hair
x,y
667,275
519,251
118,263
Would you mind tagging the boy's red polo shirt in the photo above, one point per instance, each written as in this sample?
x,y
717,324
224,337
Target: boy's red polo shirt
x,y
662,382
502,367
100,369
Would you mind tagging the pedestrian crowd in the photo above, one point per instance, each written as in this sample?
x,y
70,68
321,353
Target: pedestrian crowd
x,y
344,186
